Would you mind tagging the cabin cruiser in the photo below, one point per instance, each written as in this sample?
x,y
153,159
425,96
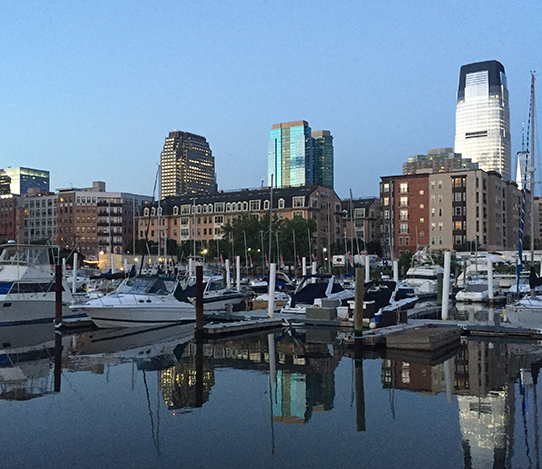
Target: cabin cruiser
x,y
216,296
423,279
27,284
312,289
477,291
142,301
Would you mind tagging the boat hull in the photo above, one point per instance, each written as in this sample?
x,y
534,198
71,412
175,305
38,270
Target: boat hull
x,y
120,310
29,309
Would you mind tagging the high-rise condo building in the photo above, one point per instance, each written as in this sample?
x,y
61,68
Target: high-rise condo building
x,y
299,157
187,165
322,158
482,119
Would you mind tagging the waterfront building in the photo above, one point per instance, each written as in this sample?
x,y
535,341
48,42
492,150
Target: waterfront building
x,y
187,165
322,158
405,213
482,122
40,217
438,160
23,180
454,211
11,218
201,218
361,223
95,221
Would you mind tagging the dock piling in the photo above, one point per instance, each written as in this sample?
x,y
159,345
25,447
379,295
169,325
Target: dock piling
x,y
199,298
358,309
58,295
271,291
446,285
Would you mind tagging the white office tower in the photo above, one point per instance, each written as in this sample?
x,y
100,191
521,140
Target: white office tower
x,y
482,119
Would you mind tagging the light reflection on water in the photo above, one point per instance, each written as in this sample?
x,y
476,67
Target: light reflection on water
x,y
159,398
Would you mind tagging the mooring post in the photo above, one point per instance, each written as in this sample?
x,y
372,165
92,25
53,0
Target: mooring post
x,y
490,280
74,273
358,308
395,271
238,272
228,278
446,285
304,266
199,298
58,295
271,291
367,269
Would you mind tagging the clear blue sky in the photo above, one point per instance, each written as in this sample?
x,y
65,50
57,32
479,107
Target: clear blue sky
x,y
90,89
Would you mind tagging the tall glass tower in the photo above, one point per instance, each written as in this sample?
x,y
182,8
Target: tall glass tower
x,y
482,119
323,158
290,155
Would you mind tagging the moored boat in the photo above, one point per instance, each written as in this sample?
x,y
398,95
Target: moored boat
x,y
143,301
27,284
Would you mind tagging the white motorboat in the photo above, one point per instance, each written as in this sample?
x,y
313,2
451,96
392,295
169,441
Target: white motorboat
x,y
477,291
216,296
27,284
423,279
143,301
313,289
526,312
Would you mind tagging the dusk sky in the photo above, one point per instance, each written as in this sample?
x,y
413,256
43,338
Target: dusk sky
x,y
90,89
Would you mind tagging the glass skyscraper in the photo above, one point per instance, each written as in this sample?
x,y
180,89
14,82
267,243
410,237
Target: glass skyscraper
x,y
323,158
187,165
299,157
482,120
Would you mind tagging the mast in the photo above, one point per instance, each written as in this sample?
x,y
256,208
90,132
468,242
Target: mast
x,y
532,168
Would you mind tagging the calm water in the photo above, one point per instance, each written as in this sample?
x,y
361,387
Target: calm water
x,y
159,399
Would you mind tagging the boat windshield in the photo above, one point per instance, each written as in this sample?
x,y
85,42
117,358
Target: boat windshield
x,y
151,286
30,255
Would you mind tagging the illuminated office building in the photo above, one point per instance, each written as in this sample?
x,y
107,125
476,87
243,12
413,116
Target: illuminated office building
x,y
482,122
187,165
24,180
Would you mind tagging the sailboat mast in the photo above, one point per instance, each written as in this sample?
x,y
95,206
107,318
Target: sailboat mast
x,y
532,168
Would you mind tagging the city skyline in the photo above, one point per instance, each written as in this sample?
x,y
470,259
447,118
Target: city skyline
x,y
95,99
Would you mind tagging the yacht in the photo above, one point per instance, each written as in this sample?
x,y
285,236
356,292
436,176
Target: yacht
x,y
143,301
27,284
216,296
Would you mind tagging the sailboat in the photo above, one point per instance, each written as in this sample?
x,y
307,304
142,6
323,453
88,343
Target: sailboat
x,y
527,311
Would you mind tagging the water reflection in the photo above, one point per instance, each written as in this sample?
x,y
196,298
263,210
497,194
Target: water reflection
x,y
489,386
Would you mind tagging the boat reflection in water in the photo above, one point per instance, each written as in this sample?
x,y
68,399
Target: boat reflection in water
x,y
471,405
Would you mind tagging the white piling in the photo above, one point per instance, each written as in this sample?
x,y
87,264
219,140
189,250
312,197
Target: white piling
x,y
304,265
63,267
313,268
271,290
238,272
112,264
190,266
446,285
228,278
367,269
74,276
125,265
395,271
490,279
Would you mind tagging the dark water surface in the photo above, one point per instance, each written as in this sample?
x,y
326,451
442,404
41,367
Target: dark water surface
x,y
158,399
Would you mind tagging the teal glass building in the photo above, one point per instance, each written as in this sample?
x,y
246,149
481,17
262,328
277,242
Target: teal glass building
x,y
323,158
299,157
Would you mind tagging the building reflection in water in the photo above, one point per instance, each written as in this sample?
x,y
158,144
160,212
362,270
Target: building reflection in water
x,y
484,376
305,381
